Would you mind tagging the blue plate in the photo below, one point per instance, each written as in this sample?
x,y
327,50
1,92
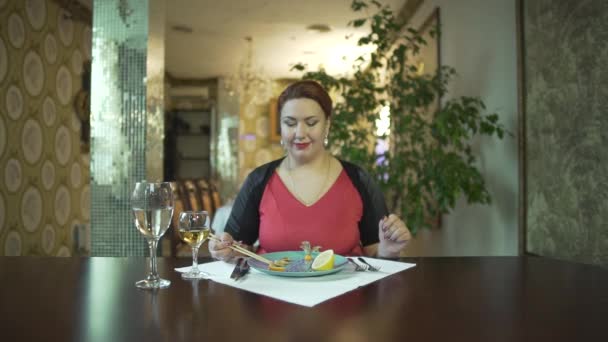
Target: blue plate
x,y
298,267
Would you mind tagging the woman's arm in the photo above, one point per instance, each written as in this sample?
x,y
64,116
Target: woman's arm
x,y
221,249
371,250
244,221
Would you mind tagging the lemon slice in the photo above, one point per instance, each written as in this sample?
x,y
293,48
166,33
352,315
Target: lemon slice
x,y
276,268
324,261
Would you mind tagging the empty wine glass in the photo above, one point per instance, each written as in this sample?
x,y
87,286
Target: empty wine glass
x,y
194,230
152,205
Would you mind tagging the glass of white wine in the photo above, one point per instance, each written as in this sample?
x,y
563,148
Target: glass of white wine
x,y
194,230
152,205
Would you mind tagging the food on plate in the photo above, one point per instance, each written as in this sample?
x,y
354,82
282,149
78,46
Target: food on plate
x,y
324,261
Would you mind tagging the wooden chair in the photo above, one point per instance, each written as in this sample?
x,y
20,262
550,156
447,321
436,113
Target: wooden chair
x,y
205,196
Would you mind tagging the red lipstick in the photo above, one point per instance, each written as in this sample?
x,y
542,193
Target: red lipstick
x,y
301,146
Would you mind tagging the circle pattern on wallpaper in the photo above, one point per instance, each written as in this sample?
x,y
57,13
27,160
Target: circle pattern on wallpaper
x,y
65,26
48,239
246,172
31,209
12,245
36,13
250,110
263,156
31,141
50,48
85,202
3,60
2,212
87,39
2,3
63,82
16,30
63,252
76,124
261,126
77,62
14,102
76,175
250,143
63,145
49,111
2,136
48,175
63,203
12,175
33,73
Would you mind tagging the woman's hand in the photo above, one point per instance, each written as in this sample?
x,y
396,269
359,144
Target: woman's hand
x,y
221,249
394,235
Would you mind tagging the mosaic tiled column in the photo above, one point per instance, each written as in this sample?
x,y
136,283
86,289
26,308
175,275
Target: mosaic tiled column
x,y
126,117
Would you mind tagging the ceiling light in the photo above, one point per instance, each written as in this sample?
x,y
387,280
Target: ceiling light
x,y
318,28
182,28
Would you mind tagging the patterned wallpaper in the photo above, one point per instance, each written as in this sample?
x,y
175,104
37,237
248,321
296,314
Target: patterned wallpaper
x,y
567,128
255,145
44,195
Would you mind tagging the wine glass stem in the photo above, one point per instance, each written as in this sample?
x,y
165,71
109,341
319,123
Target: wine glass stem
x,y
153,270
195,260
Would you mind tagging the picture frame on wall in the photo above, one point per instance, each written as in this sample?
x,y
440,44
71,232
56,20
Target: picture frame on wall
x,y
274,119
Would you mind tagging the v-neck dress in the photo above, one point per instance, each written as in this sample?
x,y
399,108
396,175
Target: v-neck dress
x,y
331,222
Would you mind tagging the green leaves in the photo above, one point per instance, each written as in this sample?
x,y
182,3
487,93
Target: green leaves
x,y
358,22
298,67
357,5
430,162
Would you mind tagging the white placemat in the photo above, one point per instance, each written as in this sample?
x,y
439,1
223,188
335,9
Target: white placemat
x,y
308,291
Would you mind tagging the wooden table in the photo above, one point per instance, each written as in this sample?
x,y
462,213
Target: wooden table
x,y
441,299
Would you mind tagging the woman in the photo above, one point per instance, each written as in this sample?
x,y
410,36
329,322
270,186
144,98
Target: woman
x,y
310,195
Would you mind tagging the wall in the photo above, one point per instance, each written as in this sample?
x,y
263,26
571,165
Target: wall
x,y
226,152
44,176
255,146
479,41
566,105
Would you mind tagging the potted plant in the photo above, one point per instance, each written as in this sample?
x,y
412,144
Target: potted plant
x,y
429,161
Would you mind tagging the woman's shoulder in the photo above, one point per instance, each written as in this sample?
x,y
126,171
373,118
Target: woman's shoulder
x,y
263,172
353,169
270,166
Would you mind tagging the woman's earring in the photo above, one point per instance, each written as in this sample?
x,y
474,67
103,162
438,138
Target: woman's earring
x,y
325,141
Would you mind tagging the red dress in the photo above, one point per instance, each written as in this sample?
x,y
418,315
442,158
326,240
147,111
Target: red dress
x,y
332,222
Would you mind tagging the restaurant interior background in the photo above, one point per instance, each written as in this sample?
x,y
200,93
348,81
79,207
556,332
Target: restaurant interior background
x,y
67,171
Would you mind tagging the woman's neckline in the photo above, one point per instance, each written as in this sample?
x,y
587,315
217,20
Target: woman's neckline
x,y
330,178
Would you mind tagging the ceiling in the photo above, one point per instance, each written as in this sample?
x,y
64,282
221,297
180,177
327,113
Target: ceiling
x,y
216,44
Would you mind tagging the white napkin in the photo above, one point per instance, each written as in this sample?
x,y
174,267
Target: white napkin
x,y
307,291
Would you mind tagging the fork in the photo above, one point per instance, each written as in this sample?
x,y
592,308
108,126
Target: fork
x,y
358,268
371,268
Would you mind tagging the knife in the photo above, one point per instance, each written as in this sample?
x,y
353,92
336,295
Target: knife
x,y
236,272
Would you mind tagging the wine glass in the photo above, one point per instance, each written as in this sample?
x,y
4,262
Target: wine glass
x,y
193,229
152,205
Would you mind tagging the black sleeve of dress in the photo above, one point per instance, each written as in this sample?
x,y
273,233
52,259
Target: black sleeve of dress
x,y
244,221
374,208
